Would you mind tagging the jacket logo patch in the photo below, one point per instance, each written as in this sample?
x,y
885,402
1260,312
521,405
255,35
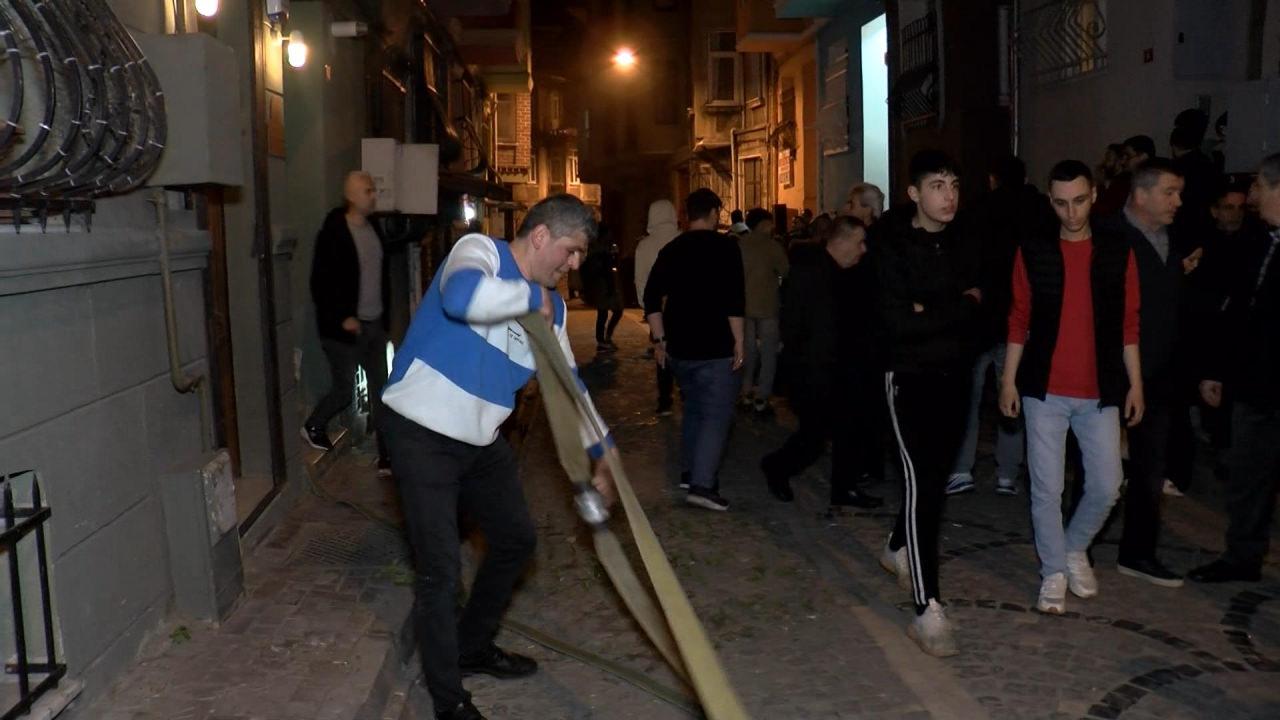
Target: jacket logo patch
x,y
514,334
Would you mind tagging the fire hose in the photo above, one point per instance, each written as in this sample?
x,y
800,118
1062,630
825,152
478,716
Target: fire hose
x,y
670,623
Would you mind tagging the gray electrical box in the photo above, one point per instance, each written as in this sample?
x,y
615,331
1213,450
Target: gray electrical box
x,y
201,86
204,537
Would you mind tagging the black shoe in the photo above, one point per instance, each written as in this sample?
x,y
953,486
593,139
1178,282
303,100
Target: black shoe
x,y
664,409
384,468
317,438
1220,571
708,499
1151,571
499,663
853,498
462,711
779,484
684,480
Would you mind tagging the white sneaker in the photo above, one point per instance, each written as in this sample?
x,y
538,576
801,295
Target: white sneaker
x,y
932,631
1006,486
1053,594
895,563
1080,577
1170,489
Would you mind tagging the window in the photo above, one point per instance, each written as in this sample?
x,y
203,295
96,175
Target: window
x,y
555,109
724,69
753,72
504,122
751,172
429,63
572,170
787,101
556,165
835,103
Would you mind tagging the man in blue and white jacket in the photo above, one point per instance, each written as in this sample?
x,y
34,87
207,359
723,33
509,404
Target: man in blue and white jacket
x,y
454,381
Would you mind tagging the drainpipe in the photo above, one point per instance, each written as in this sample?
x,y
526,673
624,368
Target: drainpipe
x,y
182,382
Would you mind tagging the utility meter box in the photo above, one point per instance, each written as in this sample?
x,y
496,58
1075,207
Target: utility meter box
x,y
407,177
204,537
198,76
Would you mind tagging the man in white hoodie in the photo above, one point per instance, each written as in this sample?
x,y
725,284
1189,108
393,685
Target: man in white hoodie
x,y
661,230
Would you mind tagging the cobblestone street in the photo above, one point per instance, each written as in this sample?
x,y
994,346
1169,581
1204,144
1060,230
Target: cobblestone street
x,y
807,624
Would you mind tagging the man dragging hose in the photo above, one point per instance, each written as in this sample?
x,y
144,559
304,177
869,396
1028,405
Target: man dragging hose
x,y
454,381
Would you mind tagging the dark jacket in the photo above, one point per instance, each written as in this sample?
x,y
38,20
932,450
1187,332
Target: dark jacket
x,y
1005,218
697,285
1243,342
1045,270
335,277
932,270
827,315
1160,291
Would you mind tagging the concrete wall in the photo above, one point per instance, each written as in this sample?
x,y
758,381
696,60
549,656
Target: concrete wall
x,y
89,406
839,172
800,66
1134,97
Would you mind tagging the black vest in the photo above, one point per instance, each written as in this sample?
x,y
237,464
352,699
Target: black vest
x,y
1046,272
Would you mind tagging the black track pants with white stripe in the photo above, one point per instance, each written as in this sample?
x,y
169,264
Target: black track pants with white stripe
x,y
927,412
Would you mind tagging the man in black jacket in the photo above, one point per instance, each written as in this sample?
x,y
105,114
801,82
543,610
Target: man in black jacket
x,y
347,286
929,299
827,346
1243,361
1162,266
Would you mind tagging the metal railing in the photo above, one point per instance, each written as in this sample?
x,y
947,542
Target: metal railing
x,y
1065,39
35,676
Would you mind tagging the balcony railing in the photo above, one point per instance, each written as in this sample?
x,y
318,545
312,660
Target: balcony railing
x,y
1065,39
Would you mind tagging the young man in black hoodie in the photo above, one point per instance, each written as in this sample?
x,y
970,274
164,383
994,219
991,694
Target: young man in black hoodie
x,y
930,300
347,274
1243,360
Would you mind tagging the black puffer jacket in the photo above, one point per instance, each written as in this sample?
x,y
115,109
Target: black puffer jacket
x,y
932,270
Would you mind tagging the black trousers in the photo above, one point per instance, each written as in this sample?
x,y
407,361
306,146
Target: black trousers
x,y
1148,446
439,476
605,325
927,412
1253,471
839,408
369,351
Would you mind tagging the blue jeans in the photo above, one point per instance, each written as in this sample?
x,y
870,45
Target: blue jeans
x,y
1098,432
710,389
1009,437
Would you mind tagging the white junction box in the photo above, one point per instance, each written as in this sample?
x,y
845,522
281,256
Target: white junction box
x,y
407,177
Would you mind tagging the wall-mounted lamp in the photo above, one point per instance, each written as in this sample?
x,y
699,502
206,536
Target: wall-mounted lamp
x,y
207,8
297,49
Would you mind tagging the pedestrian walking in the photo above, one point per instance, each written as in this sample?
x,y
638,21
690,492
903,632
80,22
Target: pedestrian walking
x,y
661,230
825,343
1072,366
1011,213
453,383
930,301
600,290
1146,223
349,289
1242,362
764,267
695,303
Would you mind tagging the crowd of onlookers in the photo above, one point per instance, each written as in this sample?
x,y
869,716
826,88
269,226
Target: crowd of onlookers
x,y
1134,306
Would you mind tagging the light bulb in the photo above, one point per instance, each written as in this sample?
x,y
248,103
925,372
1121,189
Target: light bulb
x,y
297,49
624,58
207,8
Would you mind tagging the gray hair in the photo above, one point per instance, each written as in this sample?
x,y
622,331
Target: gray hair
x,y
1147,175
563,214
870,195
1269,170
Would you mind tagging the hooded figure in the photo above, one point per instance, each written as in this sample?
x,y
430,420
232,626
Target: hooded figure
x,y
662,229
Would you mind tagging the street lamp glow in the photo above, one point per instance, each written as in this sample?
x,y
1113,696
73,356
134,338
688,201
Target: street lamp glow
x,y
297,49
207,8
624,58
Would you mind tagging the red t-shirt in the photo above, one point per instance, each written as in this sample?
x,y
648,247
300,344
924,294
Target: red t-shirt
x,y
1074,369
